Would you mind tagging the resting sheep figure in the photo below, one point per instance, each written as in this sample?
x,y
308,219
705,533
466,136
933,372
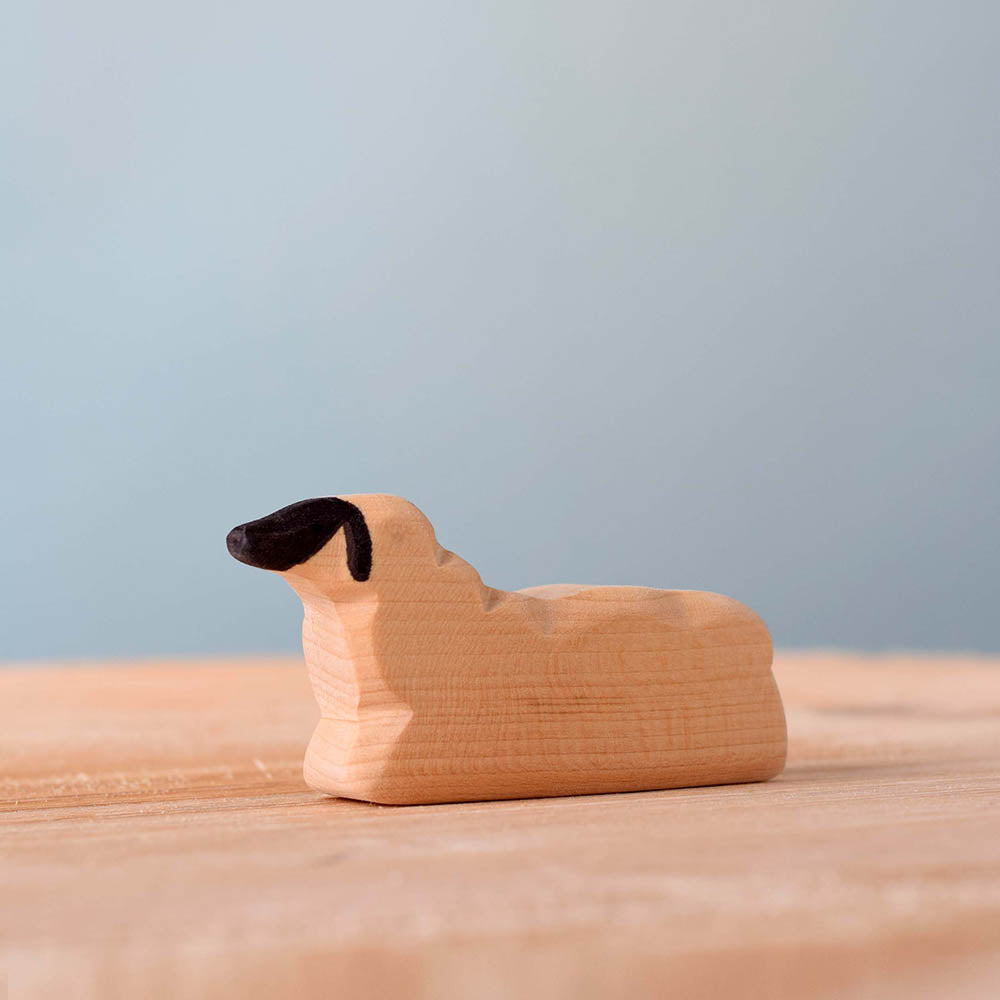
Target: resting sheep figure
x,y
433,687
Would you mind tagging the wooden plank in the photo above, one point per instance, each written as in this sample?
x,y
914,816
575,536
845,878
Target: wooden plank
x,y
158,840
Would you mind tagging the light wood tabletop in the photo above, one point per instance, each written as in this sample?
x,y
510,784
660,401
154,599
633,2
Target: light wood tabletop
x,y
158,841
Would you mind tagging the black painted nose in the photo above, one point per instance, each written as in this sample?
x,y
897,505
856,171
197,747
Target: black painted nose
x,y
289,536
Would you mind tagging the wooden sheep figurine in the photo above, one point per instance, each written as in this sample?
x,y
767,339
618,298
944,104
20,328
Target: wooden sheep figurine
x,y
436,688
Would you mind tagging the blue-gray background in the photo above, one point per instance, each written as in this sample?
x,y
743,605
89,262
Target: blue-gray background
x,y
680,294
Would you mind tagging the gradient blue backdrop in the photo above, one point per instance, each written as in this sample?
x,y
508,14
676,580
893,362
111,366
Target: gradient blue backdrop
x,y
679,294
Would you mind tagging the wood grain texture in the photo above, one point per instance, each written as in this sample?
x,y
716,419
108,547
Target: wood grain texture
x,y
157,840
433,687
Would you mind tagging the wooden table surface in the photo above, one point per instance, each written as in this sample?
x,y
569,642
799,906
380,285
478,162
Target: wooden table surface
x,y
158,841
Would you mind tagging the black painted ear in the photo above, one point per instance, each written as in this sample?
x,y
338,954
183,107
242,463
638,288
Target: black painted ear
x,y
295,533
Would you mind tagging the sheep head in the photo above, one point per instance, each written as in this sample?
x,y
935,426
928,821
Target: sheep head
x,y
325,546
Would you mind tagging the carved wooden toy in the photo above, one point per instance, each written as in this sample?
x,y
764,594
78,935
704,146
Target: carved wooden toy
x,y
436,688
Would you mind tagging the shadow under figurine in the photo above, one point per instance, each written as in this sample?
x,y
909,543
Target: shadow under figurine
x,y
436,688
